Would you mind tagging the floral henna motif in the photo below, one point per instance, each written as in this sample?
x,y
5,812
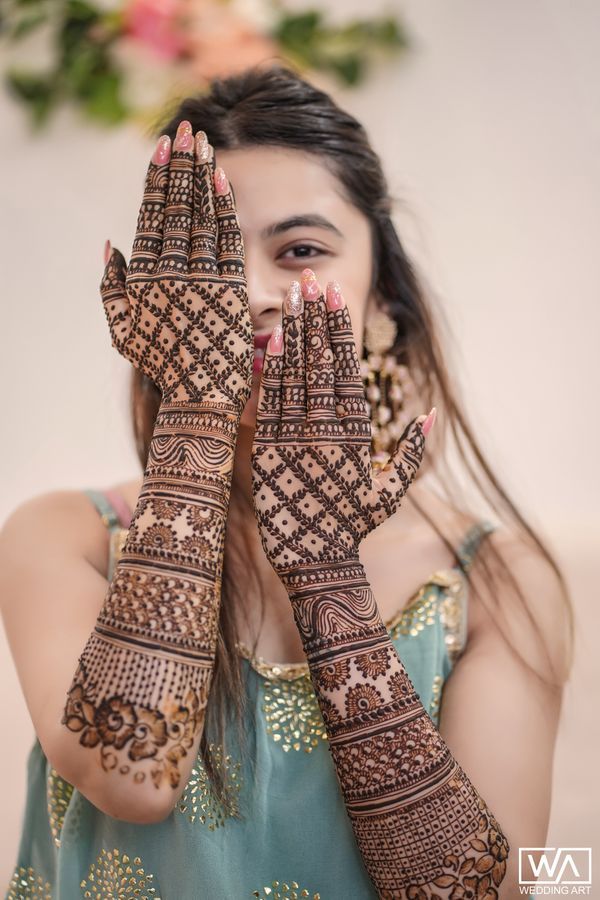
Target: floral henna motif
x,y
422,829
143,733
180,314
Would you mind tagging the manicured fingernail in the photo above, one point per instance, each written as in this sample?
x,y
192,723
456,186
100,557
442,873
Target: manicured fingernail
x,y
221,182
310,285
106,252
184,139
276,339
203,148
428,423
334,295
293,299
162,151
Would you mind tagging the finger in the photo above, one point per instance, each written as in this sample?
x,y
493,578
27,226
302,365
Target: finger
x,y
351,404
114,300
203,248
293,389
396,476
269,393
320,374
230,243
178,210
147,243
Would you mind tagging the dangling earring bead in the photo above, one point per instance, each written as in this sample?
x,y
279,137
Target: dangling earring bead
x,y
388,386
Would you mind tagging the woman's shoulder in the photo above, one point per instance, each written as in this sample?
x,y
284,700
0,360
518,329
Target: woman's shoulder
x,y
64,521
519,594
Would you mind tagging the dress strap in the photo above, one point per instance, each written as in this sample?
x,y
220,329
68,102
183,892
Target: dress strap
x,y
108,513
472,541
117,517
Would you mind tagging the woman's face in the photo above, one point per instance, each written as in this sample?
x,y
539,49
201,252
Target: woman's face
x,y
293,214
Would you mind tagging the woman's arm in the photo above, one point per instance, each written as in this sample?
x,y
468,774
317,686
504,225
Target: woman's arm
x,y
502,727
421,826
180,314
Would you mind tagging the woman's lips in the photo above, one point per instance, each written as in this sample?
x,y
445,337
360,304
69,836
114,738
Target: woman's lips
x,y
260,342
259,356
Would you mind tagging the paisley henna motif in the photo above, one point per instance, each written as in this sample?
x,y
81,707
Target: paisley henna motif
x,y
421,827
179,313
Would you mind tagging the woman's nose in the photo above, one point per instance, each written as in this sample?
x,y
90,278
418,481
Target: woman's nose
x,y
265,294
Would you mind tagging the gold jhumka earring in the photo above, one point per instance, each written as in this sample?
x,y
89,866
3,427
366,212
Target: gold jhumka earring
x,y
388,386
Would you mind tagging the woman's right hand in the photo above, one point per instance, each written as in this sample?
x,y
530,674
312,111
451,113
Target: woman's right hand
x,y
179,312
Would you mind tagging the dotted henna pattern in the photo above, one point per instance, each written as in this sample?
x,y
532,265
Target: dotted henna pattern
x,y
422,829
179,312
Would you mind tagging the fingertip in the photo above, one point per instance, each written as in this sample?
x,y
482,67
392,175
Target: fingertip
x,y
107,252
311,289
334,295
221,181
275,344
429,421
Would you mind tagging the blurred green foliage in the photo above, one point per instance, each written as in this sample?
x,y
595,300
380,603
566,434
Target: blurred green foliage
x,y
85,71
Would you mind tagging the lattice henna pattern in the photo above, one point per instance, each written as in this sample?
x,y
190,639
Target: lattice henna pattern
x,y
422,829
180,314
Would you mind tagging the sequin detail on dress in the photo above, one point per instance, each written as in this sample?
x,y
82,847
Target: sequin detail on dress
x,y
58,795
292,714
285,891
115,874
199,802
26,884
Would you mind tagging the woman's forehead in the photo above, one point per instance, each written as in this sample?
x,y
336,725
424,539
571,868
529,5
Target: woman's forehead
x,y
275,183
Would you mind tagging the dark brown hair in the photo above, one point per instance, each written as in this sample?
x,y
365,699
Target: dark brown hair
x,y
275,106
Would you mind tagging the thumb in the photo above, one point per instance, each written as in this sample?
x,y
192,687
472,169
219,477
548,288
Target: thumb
x,y
395,477
114,299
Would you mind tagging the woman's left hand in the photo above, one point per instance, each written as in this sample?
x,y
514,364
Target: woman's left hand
x,y
315,494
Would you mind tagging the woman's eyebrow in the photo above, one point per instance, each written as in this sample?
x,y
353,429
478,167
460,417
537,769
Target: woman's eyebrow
x,y
309,220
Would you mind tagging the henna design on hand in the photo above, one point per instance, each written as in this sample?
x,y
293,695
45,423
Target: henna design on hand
x,y
422,829
180,311
180,314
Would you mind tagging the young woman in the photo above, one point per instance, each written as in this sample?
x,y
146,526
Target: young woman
x,y
231,693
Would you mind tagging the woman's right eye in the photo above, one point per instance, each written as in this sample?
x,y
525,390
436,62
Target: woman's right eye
x,y
301,255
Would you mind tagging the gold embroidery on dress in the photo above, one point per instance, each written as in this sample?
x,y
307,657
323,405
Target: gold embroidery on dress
x,y
452,614
199,801
26,884
115,874
436,692
418,613
293,714
284,891
117,539
58,795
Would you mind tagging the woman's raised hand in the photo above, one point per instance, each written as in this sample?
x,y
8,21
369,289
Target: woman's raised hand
x,y
315,494
179,311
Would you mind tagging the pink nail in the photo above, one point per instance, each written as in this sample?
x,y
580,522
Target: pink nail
x,y
221,182
428,423
184,139
276,339
310,285
334,295
107,249
162,151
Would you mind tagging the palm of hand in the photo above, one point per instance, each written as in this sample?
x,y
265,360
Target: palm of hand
x,y
315,495
180,312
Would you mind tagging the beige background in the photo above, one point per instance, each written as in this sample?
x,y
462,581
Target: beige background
x,y
489,131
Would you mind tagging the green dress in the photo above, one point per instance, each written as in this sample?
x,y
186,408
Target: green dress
x,y
285,832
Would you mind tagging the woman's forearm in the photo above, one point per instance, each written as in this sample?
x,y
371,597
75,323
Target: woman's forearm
x,y
419,822
139,694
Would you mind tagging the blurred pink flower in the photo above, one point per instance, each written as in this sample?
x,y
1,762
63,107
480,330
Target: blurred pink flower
x,y
219,42
157,24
